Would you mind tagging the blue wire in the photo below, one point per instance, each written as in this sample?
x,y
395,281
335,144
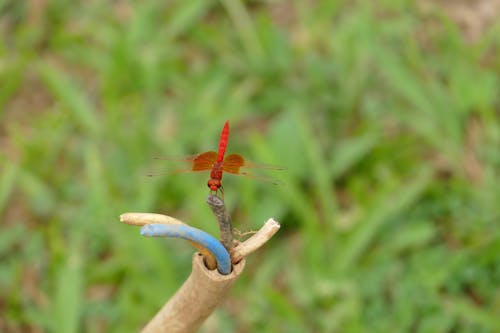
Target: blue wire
x,y
196,235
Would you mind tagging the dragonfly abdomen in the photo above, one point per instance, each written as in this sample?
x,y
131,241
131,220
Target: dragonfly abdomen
x,y
224,137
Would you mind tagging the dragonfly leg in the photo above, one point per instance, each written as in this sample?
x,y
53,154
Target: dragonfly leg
x,y
221,189
216,193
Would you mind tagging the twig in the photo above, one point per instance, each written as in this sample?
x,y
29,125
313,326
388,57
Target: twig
x,y
225,226
255,242
141,219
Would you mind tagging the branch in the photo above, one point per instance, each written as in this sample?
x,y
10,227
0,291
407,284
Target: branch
x,y
225,226
255,242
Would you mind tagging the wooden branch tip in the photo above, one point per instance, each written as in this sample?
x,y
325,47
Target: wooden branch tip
x,y
140,219
218,207
255,242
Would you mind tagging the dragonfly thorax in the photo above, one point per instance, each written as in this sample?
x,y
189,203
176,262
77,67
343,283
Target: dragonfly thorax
x,y
216,172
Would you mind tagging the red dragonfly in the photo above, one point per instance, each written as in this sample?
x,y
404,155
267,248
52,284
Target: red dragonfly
x,y
217,164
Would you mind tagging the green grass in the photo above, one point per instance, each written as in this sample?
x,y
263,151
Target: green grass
x,y
386,119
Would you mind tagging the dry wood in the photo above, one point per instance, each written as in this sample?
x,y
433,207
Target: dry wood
x,y
141,219
256,241
217,206
204,289
195,300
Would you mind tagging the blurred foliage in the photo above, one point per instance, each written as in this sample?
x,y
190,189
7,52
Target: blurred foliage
x,y
387,120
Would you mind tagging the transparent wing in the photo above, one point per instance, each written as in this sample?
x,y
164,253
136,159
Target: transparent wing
x,y
232,164
198,162
236,164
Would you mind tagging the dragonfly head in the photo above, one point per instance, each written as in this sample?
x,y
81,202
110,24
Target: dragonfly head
x,y
214,184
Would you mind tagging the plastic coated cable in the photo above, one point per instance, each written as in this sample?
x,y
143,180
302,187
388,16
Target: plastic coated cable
x,y
196,235
141,219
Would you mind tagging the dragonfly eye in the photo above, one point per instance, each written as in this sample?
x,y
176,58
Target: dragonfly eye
x,y
214,184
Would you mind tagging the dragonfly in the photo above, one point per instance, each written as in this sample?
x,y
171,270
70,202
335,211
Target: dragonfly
x,y
218,164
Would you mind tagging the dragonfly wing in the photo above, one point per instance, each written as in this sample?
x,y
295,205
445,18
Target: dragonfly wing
x,y
271,180
249,164
198,162
189,158
232,163
204,161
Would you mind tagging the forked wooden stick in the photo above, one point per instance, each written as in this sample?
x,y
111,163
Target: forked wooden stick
x,y
205,288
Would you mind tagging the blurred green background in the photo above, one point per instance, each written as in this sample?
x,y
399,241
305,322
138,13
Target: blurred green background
x,y
386,115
